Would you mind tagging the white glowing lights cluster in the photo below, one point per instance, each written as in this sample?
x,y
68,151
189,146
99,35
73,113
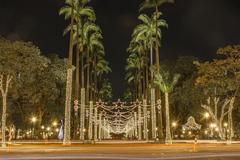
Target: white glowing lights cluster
x,y
191,124
98,121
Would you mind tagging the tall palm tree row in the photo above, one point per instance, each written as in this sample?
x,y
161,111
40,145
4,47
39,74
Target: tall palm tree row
x,y
155,4
146,40
87,41
142,43
134,76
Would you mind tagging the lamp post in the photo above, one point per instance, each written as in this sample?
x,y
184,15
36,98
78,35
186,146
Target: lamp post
x,y
43,136
48,132
54,124
206,116
225,130
33,119
174,125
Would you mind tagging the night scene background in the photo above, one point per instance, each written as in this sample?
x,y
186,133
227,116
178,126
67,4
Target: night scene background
x,y
160,83
196,27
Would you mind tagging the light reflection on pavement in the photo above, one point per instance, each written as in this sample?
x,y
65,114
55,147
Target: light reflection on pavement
x,y
121,152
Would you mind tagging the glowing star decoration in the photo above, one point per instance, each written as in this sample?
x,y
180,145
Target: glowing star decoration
x,y
191,124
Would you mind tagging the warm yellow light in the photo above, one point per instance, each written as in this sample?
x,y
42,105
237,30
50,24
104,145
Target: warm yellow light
x,y
206,132
174,124
189,132
217,129
84,130
48,128
156,128
57,130
54,124
206,115
225,124
34,119
213,125
42,127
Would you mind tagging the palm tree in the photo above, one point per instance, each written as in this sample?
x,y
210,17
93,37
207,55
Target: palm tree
x,y
134,68
82,26
152,34
166,84
105,91
146,4
139,47
101,68
147,30
93,43
70,13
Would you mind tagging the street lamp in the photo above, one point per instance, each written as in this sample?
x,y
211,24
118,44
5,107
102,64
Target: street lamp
x,y
225,124
174,125
43,134
54,124
226,130
206,115
33,119
206,132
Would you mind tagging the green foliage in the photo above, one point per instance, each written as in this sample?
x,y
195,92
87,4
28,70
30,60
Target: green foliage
x,y
38,81
102,67
105,92
223,73
166,82
146,4
187,97
79,10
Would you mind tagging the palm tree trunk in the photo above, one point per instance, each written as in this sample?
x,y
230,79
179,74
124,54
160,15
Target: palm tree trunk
x,y
77,86
91,82
168,132
144,84
88,74
77,67
146,73
139,86
151,55
95,78
82,67
67,123
157,41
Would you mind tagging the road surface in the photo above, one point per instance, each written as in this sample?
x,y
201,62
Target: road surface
x,y
121,152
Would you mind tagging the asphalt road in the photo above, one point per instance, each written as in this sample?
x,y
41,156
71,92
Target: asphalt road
x,y
121,152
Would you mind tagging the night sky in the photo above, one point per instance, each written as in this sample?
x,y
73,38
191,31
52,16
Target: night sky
x,y
196,27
